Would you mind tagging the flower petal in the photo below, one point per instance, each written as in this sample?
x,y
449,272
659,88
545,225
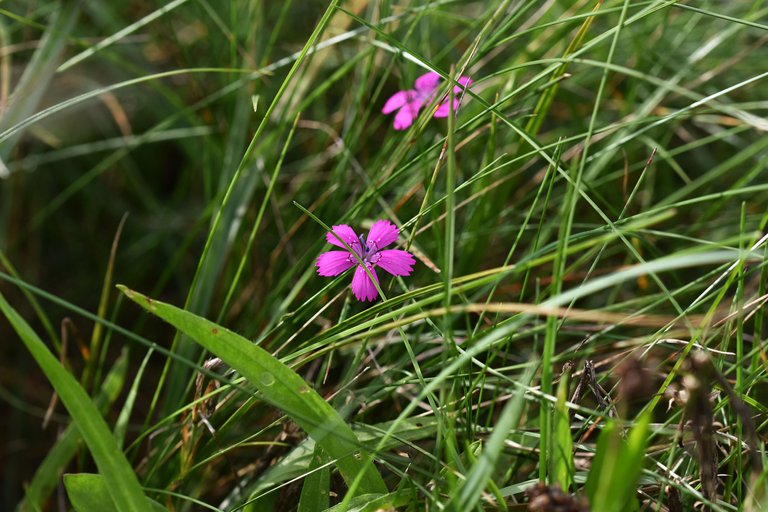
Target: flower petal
x,y
382,234
362,286
347,234
397,100
333,263
427,82
396,262
442,110
405,116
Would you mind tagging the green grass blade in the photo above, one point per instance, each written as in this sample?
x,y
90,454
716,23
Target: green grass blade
x,y
89,492
297,462
315,492
101,311
561,445
58,457
478,477
122,482
237,193
114,38
121,425
38,73
280,386
612,481
545,100
374,503
552,329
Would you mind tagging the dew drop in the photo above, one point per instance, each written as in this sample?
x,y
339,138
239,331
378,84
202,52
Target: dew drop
x,y
267,379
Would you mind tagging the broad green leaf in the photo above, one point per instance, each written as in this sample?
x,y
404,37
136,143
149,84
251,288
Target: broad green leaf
x,y
89,492
119,477
58,457
278,385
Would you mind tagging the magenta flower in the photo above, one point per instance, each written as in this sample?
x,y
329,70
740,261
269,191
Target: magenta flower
x,y
408,103
369,250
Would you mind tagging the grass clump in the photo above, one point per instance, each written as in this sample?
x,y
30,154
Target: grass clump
x,y
583,324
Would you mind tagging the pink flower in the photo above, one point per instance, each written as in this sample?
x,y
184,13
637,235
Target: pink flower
x,y
382,234
408,103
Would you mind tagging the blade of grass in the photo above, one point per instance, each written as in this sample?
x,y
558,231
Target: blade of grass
x,y
552,328
39,311
478,477
612,481
59,456
124,487
101,311
257,224
107,41
315,493
37,75
278,385
545,100
561,444
296,463
219,234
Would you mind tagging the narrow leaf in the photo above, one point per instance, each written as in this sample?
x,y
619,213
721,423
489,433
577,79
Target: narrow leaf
x,y
38,74
315,492
280,386
612,481
478,477
59,456
562,442
120,479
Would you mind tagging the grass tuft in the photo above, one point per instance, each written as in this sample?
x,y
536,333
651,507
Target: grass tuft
x,y
585,322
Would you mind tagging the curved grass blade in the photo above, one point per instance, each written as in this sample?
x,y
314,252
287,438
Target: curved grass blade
x,y
123,485
59,456
278,385
38,74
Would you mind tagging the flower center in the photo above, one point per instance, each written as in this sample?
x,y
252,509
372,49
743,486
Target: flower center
x,y
368,252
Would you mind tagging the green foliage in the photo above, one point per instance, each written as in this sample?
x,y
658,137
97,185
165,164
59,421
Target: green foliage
x,y
89,492
612,482
314,492
598,199
59,456
278,385
561,452
123,486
